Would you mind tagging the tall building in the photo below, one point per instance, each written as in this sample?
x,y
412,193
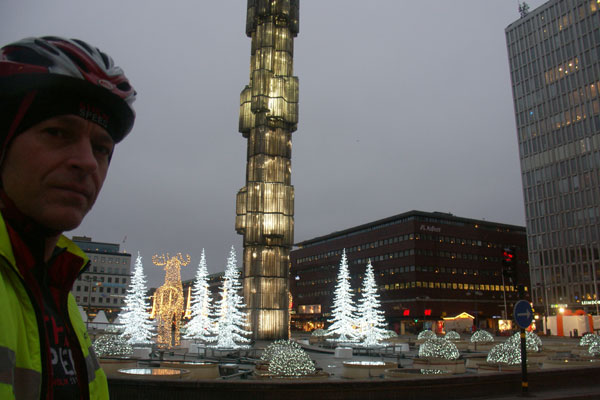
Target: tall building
x,y
428,266
265,206
104,284
554,54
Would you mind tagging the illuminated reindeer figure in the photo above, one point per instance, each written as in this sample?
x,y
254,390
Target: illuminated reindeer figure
x,y
168,299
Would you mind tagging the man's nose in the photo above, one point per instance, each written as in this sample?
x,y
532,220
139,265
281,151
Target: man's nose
x,y
82,156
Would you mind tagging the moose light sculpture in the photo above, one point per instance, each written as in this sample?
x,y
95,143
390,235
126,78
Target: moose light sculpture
x,y
168,299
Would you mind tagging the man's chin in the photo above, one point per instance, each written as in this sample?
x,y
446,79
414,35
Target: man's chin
x,y
63,222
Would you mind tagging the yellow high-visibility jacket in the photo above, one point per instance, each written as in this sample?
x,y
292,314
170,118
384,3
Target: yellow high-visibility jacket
x,y
24,363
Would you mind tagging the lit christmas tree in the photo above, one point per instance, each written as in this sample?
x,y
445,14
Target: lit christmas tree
x,y
230,317
371,318
201,324
344,320
136,325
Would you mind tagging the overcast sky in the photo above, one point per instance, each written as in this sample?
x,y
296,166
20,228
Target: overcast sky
x,y
404,105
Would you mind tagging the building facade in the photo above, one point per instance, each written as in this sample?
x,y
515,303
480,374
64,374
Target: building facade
x,y
554,54
427,266
104,284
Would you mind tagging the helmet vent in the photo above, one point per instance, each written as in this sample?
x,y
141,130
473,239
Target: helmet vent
x,y
76,60
83,44
124,86
27,56
45,46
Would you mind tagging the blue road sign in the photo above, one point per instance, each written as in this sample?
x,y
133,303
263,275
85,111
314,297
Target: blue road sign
x,y
523,314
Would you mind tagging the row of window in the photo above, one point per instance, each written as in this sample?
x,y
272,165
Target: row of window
x,y
409,269
425,285
398,221
100,289
109,279
83,300
429,253
110,260
550,22
398,239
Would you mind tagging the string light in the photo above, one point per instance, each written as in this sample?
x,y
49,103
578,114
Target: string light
x,y
482,336
168,299
438,348
433,371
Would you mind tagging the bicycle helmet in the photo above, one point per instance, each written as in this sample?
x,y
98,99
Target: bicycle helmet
x,y
48,76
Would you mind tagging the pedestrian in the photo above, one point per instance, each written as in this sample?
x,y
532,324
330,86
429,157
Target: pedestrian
x,y
63,107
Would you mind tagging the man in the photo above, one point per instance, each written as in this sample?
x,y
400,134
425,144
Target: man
x,y
63,106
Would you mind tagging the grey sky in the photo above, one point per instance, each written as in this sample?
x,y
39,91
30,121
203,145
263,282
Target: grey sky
x,y
403,105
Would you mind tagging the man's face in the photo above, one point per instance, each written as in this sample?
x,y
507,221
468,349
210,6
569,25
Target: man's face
x,y
53,171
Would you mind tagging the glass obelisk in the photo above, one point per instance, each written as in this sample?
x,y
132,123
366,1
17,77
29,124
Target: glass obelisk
x,y
265,206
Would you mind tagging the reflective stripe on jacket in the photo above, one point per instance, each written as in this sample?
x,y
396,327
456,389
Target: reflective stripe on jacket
x,y
20,354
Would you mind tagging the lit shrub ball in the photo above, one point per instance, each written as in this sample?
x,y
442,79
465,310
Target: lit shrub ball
x,y
532,341
291,362
388,333
594,349
112,345
319,333
452,335
588,339
438,348
505,353
482,336
278,346
426,334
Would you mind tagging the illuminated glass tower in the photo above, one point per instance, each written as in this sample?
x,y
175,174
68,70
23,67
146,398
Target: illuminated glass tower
x,y
265,206
554,54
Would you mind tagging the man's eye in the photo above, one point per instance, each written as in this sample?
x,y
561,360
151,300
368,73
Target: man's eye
x,y
54,131
104,150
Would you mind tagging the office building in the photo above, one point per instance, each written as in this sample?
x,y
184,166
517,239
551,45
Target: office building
x,y
104,284
554,54
427,266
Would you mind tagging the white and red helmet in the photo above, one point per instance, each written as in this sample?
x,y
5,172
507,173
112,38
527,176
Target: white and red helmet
x,y
63,70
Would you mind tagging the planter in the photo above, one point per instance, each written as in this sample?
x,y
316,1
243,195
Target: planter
x,y
483,347
366,369
264,374
154,373
451,366
111,366
489,367
473,362
569,363
461,345
411,373
198,371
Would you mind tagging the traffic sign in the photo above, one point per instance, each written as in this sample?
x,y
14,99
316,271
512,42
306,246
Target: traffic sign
x,y
523,314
